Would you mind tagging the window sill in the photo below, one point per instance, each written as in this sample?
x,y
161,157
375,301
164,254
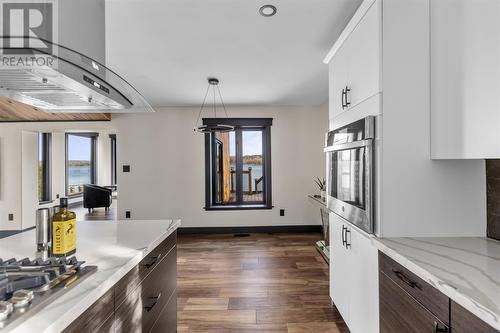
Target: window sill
x,y
45,202
239,207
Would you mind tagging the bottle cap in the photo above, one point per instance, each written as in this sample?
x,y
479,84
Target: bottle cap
x,y
63,203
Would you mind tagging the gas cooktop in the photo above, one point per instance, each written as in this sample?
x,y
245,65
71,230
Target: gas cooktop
x,y
26,286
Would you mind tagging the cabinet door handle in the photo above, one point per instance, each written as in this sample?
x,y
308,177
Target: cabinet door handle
x,y
438,329
347,90
347,244
406,280
343,235
343,99
152,261
152,302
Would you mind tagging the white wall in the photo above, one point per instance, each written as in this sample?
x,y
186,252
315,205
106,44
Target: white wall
x,y
19,160
167,166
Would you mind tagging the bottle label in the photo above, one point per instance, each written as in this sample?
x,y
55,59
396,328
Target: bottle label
x,y
63,236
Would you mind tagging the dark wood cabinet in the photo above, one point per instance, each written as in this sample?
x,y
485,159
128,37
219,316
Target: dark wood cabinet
x,y
400,312
431,298
409,304
95,316
136,276
144,300
142,307
465,322
167,320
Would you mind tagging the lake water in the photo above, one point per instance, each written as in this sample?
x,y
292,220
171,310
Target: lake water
x,y
256,174
79,175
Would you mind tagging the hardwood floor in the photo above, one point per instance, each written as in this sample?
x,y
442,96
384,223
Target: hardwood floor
x,y
275,283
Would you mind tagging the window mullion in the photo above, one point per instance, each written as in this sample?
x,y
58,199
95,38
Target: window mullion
x,y
239,165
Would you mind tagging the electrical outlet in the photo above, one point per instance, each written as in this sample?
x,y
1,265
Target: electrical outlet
x,y
126,168
282,212
11,217
127,214
57,196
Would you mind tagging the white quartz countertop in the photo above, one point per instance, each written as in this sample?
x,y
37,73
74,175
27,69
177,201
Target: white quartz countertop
x,y
465,269
114,246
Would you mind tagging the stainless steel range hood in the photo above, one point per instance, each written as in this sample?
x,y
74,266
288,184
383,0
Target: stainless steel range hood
x,y
63,80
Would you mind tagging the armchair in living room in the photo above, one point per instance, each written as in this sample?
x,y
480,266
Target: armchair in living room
x,y
95,196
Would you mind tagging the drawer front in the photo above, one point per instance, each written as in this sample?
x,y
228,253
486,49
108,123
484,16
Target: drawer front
x,y
95,316
427,295
133,278
107,327
400,312
463,321
142,307
167,321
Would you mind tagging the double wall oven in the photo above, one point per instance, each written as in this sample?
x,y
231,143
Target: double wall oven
x,y
350,162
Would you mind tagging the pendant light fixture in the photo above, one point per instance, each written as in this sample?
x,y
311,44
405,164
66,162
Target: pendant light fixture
x,y
220,127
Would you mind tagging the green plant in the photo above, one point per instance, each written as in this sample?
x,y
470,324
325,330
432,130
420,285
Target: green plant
x,y
321,183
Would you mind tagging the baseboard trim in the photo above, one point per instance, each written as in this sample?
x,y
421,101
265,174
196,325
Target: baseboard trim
x,y
7,233
250,230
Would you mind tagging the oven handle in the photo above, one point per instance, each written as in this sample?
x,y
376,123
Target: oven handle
x,y
349,145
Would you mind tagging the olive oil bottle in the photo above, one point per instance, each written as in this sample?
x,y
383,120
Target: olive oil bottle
x,y
63,231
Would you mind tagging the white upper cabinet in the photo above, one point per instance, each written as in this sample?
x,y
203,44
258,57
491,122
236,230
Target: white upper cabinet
x,y
339,78
465,79
354,62
364,58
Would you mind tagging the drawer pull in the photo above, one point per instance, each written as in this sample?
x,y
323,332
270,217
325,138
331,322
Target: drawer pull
x,y
406,280
153,301
438,329
152,261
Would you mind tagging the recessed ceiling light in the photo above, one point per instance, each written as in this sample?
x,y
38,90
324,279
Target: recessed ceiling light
x,y
267,10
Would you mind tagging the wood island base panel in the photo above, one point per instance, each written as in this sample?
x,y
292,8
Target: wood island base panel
x,y
144,300
132,290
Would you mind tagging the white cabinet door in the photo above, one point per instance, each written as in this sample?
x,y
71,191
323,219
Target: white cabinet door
x,y
338,78
363,301
465,78
339,267
363,47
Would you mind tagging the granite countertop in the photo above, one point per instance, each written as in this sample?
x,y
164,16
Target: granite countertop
x,y
466,269
114,246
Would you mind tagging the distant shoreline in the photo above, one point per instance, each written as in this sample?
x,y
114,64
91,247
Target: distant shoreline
x,y
249,159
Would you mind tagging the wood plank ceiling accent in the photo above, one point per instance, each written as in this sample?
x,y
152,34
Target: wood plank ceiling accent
x,y
13,111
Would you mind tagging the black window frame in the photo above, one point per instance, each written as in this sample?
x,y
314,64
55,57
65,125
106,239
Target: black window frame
x,y
114,173
46,157
93,157
240,124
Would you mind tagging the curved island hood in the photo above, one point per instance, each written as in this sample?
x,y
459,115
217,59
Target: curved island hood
x,y
54,78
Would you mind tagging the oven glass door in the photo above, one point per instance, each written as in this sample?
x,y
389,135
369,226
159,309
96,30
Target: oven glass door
x,y
347,176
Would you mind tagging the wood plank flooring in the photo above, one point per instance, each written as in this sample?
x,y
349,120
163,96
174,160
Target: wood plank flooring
x,y
276,283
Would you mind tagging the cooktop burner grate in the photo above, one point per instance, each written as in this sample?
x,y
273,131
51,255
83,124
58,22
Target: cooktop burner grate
x,y
26,285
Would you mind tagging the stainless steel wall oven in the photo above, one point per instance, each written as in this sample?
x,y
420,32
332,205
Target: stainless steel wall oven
x,y
349,183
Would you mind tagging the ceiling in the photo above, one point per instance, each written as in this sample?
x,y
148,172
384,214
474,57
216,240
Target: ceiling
x,y
168,48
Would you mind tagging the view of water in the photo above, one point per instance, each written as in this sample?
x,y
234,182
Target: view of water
x,y
79,175
256,174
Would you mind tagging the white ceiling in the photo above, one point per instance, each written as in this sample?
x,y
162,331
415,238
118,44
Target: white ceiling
x,y
168,48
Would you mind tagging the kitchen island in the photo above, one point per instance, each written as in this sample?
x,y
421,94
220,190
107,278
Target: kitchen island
x,y
120,250
464,269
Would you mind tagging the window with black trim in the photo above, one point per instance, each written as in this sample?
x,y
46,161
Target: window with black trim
x,y
112,138
44,167
81,161
238,165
